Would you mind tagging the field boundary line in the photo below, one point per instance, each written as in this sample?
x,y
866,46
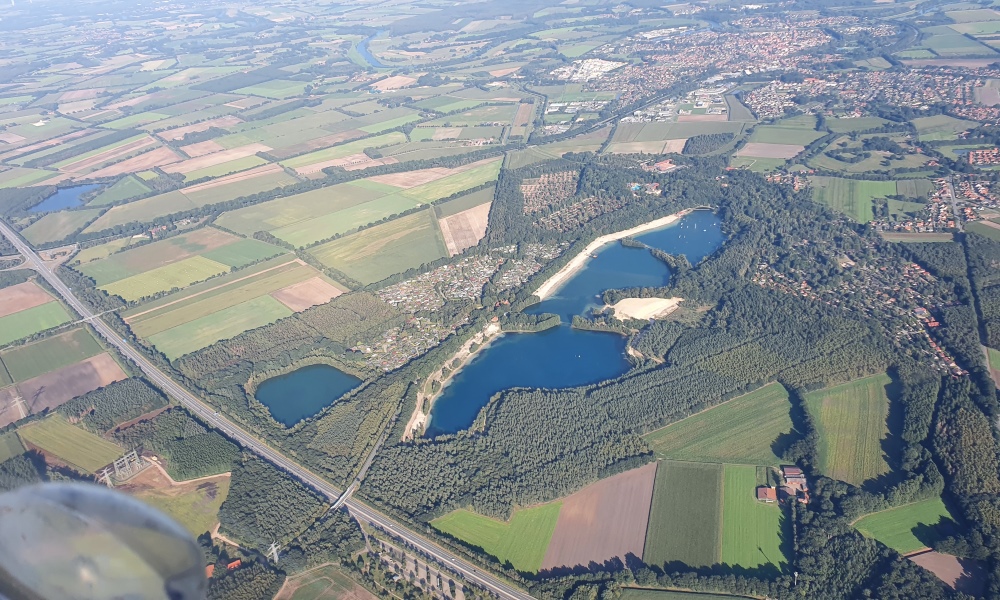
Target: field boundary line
x,y
133,317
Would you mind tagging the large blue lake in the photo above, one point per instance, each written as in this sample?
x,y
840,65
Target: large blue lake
x,y
304,392
562,356
64,198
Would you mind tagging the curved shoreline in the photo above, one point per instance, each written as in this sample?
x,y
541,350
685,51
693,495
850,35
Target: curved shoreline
x,y
552,284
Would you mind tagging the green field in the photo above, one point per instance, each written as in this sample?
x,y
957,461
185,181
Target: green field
x,y
31,321
796,130
940,127
389,139
186,306
242,253
148,209
326,226
327,583
381,126
49,354
853,197
983,230
751,530
125,189
197,510
162,279
276,88
220,170
10,446
522,541
452,207
373,254
299,208
738,431
686,515
58,225
73,445
101,251
899,527
221,325
640,594
851,422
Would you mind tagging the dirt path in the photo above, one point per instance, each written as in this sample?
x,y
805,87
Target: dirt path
x,y
577,262
419,418
175,483
218,536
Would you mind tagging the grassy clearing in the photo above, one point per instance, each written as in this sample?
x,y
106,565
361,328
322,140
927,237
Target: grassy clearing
x,y
940,127
751,530
147,257
522,541
851,421
49,354
326,583
185,308
196,509
853,197
31,321
907,528
741,430
58,225
125,189
102,251
686,515
221,325
786,132
10,446
177,275
373,254
73,445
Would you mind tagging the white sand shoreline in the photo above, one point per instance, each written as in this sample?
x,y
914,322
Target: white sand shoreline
x,y
552,284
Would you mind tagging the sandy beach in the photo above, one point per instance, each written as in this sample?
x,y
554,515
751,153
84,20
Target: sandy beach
x,y
644,308
552,284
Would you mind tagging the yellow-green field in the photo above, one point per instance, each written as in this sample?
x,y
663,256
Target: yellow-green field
x,y
741,430
522,541
177,275
388,139
906,528
378,252
851,422
73,445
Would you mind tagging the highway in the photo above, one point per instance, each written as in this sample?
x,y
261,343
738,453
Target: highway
x,y
207,414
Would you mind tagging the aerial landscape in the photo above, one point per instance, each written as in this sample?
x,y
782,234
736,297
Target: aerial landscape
x,y
557,299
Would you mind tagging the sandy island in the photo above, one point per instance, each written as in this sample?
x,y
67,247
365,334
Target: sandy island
x,y
577,262
644,308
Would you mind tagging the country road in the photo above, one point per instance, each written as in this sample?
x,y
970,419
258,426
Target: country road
x,y
207,414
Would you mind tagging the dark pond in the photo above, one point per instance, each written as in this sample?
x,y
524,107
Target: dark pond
x,y
304,392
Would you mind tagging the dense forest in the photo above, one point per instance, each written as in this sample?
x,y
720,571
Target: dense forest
x,y
189,449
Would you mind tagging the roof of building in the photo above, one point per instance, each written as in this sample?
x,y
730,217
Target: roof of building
x,y
234,565
766,493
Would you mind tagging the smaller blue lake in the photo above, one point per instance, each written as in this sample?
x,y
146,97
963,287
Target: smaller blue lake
x,y
304,392
64,198
564,357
